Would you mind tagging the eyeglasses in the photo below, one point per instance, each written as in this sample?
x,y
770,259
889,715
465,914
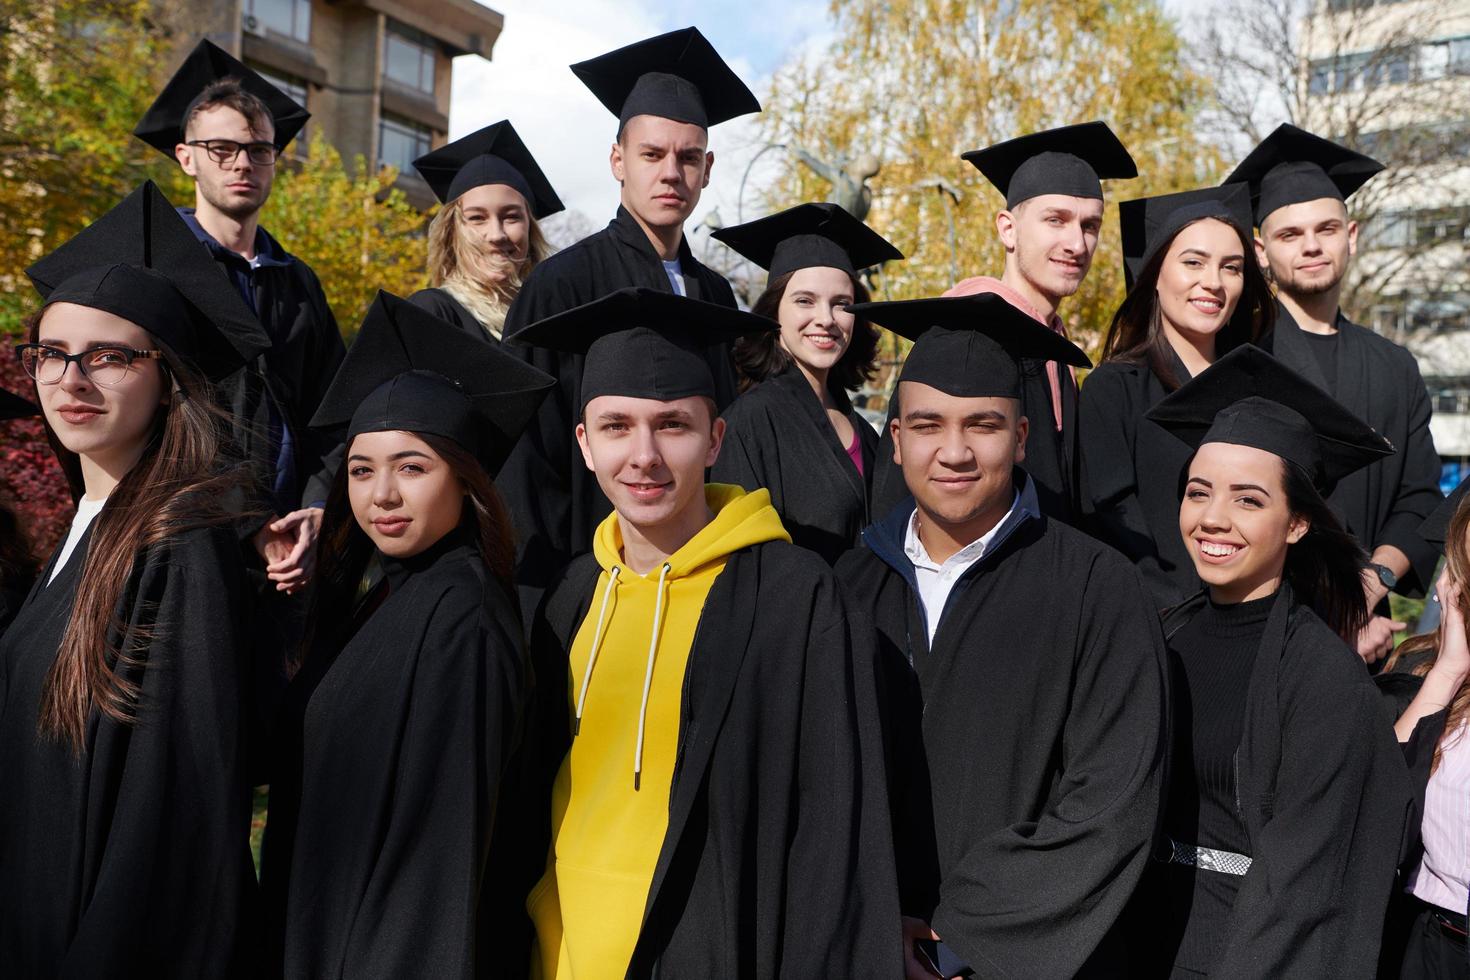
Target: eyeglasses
x,y
104,366
224,152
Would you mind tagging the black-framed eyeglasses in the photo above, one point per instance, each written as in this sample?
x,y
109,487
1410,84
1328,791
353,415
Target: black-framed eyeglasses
x,y
102,365
224,152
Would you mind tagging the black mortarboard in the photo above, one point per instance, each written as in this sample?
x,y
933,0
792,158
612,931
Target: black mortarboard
x,y
1436,526
1292,165
493,155
12,406
162,126
678,76
410,371
643,343
806,236
1148,223
1248,398
1071,160
969,346
141,262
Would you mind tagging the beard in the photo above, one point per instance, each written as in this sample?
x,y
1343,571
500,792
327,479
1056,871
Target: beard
x,y
232,206
1308,287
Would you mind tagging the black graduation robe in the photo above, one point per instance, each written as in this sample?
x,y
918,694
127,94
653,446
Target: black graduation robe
x,y
553,498
1378,381
1324,793
1052,457
386,780
778,436
443,305
132,860
1130,477
1026,747
777,861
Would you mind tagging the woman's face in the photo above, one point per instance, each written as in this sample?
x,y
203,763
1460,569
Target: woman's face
x,y
1202,279
816,328
1236,522
497,215
404,496
111,423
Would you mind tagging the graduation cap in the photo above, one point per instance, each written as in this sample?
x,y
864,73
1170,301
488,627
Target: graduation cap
x,y
1149,223
141,262
409,370
493,155
969,346
162,126
1071,160
643,343
1292,165
1248,398
12,406
1436,526
678,76
807,236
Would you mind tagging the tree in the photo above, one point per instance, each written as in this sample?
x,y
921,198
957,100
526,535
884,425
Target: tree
x,y
917,82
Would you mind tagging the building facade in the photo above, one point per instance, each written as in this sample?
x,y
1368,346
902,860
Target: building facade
x,y
1392,78
375,74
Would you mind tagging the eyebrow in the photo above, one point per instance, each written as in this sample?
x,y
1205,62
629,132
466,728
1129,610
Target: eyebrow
x,y
1234,256
402,454
927,415
63,345
1234,486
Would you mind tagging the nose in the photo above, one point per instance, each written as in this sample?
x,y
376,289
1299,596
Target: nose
x,y
1215,517
953,450
646,453
669,170
72,379
1310,244
1210,279
1074,239
385,490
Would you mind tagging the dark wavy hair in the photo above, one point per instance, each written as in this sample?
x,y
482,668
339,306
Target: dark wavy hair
x,y
344,549
1136,334
1325,567
759,357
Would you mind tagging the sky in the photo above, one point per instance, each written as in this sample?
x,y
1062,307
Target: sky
x,y
570,133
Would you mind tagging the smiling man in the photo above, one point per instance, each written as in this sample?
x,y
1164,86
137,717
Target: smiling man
x,y
706,731
666,92
1023,671
1049,228
1299,186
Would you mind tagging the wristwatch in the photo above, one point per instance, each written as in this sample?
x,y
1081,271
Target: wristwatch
x,y
1385,575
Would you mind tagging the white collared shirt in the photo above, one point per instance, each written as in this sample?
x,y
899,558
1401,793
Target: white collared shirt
x,y
937,580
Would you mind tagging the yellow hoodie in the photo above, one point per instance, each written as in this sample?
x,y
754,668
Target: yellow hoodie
x,y
626,687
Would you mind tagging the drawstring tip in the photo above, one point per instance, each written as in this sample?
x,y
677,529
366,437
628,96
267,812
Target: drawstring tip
x,y
637,780
576,726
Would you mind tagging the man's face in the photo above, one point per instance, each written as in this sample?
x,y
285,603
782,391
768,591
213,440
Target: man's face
x,y
236,188
1307,246
650,456
1052,238
957,454
663,166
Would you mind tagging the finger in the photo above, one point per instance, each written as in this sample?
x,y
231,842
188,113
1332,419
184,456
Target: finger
x,y
1396,626
298,552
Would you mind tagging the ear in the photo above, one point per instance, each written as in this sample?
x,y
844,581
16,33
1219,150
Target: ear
x,y
716,440
1005,229
1261,255
615,162
709,166
184,153
1023,429
1352,230
1297,529
583,445
893,428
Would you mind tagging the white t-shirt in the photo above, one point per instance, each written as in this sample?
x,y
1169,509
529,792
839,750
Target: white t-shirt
x,y
675,272
87,509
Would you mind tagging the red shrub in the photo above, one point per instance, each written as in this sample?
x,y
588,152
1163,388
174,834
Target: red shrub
x,y
30,478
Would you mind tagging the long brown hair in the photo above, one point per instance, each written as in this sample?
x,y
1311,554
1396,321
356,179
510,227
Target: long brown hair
x,y
458,261
760,356
1456,568
176,485
1325,567
1137,335
344,548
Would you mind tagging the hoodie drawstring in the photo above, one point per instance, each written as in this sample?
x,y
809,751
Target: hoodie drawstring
x,y
658,613
612,581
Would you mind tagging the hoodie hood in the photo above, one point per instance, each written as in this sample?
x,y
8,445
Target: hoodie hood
x,y
741,520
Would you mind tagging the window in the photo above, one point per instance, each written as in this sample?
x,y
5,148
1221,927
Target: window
x,y
1372,69
291,18
401,141
408,57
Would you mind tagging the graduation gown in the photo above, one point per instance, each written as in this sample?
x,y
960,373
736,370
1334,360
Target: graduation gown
x,y
1026,747
553,498
1324,794
1051,456
778,436
1130,477
132,860
777,861
443,305
1378,381
387,775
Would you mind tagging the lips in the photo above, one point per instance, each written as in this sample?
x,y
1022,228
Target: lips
x,y
646,492
1207,305
822,341
1218,552
78,414
391,526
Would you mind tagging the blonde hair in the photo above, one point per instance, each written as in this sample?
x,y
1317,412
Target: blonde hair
x,y
478,276
1457,568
